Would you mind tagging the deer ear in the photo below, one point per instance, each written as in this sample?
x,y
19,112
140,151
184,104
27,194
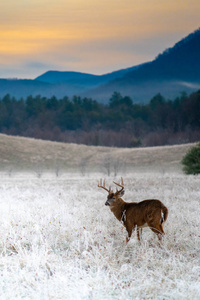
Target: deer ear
x,y
122,193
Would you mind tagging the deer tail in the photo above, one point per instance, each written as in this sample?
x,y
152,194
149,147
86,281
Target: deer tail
x,y
164,214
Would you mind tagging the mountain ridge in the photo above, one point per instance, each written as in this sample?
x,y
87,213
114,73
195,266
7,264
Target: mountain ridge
x,y
173,71
176,68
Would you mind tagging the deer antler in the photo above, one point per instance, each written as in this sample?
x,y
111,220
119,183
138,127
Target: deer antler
x,y
121,185
102,184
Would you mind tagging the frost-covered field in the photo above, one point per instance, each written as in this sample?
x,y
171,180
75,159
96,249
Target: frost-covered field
x,y
59,240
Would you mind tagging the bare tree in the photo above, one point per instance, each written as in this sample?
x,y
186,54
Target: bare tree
x,y
107,164
83,166
57,167
117,166
38,169
10,171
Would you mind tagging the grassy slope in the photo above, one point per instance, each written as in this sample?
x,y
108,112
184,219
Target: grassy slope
x,y
25,153
58,238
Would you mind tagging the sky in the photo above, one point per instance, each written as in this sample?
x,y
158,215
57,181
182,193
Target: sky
x,y
91,36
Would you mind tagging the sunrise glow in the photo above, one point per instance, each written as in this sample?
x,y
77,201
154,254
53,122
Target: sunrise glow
x,y
90,36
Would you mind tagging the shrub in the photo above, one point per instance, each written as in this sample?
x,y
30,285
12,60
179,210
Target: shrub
x,y
191,161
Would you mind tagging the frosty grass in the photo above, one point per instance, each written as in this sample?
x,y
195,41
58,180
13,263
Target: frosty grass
x,y
59,240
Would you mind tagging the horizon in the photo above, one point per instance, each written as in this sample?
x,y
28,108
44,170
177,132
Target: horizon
x,y
89,36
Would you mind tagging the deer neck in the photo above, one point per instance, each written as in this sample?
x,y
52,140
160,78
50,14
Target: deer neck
x,y
118,208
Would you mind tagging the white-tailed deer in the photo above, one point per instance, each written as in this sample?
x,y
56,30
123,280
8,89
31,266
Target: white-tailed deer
x,y
152,212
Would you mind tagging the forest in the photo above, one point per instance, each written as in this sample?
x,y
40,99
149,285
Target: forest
x,y
120,123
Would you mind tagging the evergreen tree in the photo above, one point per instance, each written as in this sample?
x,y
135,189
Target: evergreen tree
x,y
191,161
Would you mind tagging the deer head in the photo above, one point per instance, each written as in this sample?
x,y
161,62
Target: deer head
x,y
112,197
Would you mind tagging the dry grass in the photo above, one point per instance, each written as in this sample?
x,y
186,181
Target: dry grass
x,y
24,154
59,240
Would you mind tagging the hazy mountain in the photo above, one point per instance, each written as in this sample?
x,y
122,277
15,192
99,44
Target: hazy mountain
x,y
77,83
57,83
176,70
22,87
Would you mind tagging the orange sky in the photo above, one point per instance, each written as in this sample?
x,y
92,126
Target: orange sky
x,y
94,36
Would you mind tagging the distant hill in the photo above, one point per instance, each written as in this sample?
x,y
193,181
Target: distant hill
x,y
60,77
26,154
23,87
82,78
176,70
77,83
56,83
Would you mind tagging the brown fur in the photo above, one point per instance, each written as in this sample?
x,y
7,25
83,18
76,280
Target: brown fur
x,y
152,213
138,214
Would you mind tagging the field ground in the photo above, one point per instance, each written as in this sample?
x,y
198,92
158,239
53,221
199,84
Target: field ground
x,y
59,240
24,154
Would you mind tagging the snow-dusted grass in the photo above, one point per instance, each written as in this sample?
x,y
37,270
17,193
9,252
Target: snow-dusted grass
x,y
59,240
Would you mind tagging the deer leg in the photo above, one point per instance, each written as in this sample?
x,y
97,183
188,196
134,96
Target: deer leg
x,y
162,233
158,230
129,233
139,234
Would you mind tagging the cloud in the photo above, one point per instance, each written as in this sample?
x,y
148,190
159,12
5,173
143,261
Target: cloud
x,y
189,84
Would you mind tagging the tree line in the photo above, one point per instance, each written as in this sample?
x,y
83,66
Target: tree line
x,y
120,123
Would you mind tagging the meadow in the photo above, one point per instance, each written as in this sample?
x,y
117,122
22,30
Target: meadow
x,y
59,240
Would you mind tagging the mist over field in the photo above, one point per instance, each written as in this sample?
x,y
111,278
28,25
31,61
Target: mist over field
x,y
59,240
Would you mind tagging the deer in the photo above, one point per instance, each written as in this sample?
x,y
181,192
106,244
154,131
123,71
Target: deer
x,y
150,213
